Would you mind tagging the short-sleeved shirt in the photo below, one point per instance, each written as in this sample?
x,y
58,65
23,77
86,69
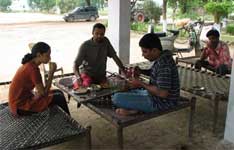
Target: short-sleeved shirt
x,y
164,75
92,57
21,90
218,56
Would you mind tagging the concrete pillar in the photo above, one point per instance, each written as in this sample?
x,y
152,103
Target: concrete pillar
x,y
119,27
229,128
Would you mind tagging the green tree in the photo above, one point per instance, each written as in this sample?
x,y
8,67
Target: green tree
x,y
68,5
4,4
152,9
42,5
218,10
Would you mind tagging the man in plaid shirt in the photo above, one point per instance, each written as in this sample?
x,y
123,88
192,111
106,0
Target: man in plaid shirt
x,y
215,56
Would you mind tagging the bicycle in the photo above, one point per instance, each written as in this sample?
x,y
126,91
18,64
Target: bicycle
x,y
193,39
192,32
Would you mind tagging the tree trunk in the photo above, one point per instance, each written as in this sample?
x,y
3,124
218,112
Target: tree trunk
x,y
88,2
164,15
216,18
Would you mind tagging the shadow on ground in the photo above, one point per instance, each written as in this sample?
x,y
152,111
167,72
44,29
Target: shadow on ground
x,y
168,132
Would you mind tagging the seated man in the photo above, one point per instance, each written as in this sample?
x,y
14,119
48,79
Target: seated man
x,y
90,63
218,55
163,90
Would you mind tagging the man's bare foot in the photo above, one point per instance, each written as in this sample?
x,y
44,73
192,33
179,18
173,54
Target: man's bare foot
x,y
125,112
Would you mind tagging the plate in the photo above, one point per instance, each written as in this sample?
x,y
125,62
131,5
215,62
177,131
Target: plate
x,y
198,88
80,91
95,87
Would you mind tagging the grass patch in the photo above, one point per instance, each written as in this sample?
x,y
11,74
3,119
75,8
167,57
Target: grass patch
x,y
227,37
103,12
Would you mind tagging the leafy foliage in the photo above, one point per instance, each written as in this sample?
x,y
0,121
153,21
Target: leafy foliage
x,y
4,4
42,5
230,29
218,10
68,5
152,10
143,27
64,5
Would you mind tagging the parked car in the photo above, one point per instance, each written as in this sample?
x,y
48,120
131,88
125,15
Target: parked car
x,y
89,13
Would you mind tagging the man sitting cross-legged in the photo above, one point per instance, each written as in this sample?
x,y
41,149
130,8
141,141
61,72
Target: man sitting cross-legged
x,y
163,90
217,53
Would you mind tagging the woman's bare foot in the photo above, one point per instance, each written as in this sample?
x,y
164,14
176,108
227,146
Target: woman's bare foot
x,y
125,112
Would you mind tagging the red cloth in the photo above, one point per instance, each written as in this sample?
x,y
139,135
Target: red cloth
x,y
21,90
86,81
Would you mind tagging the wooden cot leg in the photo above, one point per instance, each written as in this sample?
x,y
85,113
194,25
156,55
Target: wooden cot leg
x,y
191,117
120,137
216,112
68,98
88,137
176,60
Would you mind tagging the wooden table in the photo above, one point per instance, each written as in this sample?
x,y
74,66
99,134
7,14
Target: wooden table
x,y
102,105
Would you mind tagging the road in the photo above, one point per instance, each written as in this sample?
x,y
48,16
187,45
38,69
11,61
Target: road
x,y
17,30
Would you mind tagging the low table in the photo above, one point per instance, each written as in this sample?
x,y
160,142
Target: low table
x,y
102,105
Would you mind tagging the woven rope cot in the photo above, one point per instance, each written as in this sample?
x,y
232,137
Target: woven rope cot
x,y
39,130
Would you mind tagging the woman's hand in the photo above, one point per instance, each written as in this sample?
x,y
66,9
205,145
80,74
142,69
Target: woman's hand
x,y
52,67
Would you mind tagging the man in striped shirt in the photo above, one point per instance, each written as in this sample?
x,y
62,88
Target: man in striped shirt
x,y
163,90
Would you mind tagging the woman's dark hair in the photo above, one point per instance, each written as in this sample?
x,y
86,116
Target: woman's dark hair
x,y
99,26
150,41
39,47
213,32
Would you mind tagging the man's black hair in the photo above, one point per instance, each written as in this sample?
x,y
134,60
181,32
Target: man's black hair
x,y
150,41
213,32
100,26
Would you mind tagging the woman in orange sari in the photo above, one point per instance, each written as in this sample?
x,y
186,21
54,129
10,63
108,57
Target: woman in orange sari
x,y
27,93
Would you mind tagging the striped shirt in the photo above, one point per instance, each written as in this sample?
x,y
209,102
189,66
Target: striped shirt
x,y
164,75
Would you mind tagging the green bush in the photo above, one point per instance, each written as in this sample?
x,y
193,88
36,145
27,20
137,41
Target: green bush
x,y
137,26
143,27
230,29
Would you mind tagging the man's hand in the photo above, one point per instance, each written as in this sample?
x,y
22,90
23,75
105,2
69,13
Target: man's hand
x,y
80,81
137,71
123,71
135,83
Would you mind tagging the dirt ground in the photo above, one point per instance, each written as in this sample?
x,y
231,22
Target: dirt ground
x,y
168,132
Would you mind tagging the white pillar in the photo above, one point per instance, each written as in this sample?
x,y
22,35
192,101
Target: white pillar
x,y
229,128
119,27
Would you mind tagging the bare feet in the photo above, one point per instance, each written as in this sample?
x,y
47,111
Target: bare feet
x,y
125,112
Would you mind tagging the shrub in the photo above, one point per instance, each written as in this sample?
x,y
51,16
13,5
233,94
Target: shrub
x,y
143,27
230,29
137,26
